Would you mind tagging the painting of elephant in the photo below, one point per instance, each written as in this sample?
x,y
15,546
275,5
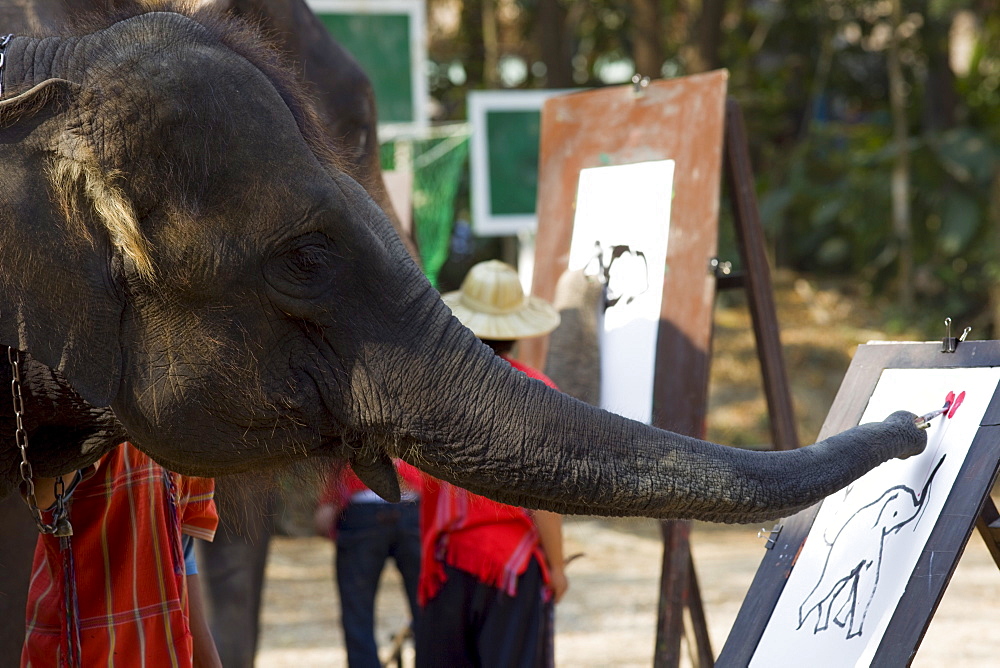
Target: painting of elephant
x,y
182,243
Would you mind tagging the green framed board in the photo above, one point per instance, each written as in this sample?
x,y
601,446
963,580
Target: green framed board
x,y
389,39
503,158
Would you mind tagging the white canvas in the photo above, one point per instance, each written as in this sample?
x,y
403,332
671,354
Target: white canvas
x,y
626,205
866,539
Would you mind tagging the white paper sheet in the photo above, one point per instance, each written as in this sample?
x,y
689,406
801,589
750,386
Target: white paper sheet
x,y
626,205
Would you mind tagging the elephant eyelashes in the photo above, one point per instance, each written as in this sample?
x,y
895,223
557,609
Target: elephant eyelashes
x,y
310,260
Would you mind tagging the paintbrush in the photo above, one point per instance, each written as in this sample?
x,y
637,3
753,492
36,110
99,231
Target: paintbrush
x,y
924,421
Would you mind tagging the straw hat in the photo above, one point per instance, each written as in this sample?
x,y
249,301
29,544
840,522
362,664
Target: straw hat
x,y
492,304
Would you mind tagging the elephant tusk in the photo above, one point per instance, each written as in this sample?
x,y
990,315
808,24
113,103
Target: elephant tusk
x,y
377,472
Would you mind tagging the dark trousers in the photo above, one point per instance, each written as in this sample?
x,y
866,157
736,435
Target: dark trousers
x,y
367,535
471,624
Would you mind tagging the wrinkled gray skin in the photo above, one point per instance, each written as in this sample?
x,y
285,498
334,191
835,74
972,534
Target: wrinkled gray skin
x,y
285,318
343,96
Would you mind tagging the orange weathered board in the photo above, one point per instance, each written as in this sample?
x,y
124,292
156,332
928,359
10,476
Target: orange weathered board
x,y
678,119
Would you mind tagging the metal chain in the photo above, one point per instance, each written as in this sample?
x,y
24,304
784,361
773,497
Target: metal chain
x,y
60,525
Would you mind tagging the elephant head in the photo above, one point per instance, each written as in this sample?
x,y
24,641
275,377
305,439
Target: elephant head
x,y
180,244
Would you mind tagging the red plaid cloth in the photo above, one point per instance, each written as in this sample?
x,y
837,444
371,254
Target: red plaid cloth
x,y
126,560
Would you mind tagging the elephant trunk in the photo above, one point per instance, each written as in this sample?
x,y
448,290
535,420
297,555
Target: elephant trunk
x,y
528,445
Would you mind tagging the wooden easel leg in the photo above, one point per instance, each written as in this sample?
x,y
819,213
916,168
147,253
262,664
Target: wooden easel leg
x,y
757,278
702,656
679,593
678,584
674,593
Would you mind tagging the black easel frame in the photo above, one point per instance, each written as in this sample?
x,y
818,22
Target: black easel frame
x,y
968,506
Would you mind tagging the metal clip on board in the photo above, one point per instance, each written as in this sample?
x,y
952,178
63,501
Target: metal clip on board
x,y
950,343
639,84
772,535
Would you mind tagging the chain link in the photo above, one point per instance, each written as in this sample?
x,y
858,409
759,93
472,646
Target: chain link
x,y
60,525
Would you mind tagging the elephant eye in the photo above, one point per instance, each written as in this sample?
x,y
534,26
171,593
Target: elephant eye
x,y
305,268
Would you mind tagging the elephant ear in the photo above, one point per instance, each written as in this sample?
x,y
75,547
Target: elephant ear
x,y
60,302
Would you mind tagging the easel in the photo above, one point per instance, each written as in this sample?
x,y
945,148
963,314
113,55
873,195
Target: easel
x,y
684,119
969,505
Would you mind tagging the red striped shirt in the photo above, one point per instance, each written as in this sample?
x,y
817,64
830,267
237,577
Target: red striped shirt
x,y
127,564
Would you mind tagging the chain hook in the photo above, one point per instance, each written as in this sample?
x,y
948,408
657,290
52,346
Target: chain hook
x,y
60,525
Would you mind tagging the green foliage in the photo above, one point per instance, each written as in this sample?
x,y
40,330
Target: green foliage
x,y
823,142
832,214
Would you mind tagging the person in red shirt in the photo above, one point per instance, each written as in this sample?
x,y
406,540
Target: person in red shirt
x,y
368,531
122,590
490,572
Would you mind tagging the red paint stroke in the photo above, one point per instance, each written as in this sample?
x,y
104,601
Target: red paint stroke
x,y
954,406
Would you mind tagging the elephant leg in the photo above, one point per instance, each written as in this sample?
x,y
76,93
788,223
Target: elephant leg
x,y
824,606
16,552
866,586
845,614
232,571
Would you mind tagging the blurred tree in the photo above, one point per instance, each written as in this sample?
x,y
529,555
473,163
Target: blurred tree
x,y
707,36
555,51
647,50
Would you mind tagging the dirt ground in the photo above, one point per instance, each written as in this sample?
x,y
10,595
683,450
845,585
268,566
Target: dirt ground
x,y
608,617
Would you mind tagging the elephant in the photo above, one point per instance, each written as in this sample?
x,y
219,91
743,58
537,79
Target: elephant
x,y
340,91
181,244
574,358
233,565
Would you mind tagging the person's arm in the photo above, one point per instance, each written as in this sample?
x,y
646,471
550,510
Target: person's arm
x,y
550,535
45,488
205,653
